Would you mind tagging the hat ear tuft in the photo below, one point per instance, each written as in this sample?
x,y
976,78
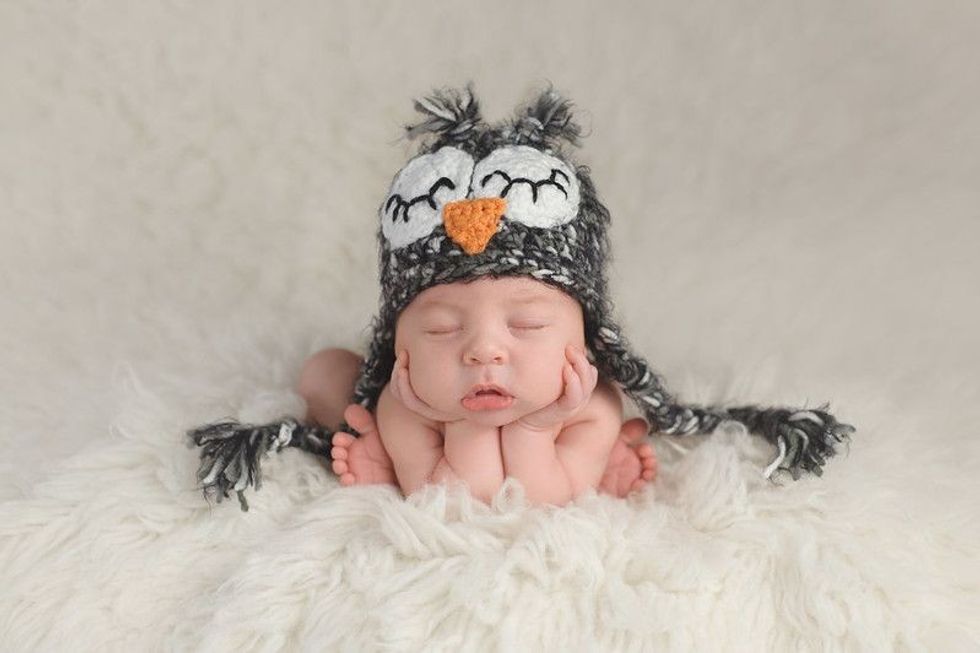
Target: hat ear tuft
x,y
546,122
453,115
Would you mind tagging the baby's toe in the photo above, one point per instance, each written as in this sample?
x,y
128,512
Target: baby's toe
x,y
339,467
359,417
341,439
338,453
347,479
633,430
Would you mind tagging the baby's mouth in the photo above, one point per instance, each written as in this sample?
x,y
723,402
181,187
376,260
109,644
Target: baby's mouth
x,y
487,397
487,389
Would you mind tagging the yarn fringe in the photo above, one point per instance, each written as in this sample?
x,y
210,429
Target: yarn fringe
x,y
231,452
805,437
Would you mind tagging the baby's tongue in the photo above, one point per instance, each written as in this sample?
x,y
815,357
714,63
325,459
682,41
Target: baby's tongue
x,y
488,401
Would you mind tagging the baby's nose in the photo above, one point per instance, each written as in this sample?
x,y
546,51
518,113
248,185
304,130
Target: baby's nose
x,y
472,223
484,352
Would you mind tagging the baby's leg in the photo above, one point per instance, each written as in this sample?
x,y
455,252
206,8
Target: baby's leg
x,y
628,462
327,384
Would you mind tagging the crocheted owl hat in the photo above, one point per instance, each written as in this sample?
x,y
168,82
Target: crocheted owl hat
x,y
501,200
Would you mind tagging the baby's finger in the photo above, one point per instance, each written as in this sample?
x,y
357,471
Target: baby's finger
x,y
593,378
401,360
405,391
573,388
584,369
577,357
393,380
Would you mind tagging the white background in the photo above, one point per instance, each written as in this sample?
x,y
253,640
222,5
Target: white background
x,y
794,191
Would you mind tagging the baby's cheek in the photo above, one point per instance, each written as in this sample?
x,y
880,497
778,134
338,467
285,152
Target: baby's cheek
x,y
429,373
544,365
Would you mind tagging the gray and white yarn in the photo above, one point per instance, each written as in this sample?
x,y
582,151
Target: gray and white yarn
x,y
231,452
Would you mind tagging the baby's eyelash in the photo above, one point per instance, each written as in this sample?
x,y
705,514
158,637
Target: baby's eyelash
x,y
430,198
440,332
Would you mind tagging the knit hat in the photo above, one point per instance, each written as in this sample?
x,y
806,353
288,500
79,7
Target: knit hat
x,y
503,200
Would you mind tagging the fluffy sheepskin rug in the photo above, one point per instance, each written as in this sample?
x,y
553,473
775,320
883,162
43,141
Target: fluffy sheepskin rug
x,y
188,196
117,550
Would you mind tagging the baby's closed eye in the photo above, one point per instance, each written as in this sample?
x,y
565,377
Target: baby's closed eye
x,y
527,326
441,331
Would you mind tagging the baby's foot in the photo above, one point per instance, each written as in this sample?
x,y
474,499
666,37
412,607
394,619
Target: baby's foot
x,y
632,462
363,460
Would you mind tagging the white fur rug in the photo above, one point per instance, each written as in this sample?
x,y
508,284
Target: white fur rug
x,y
188,196
116,550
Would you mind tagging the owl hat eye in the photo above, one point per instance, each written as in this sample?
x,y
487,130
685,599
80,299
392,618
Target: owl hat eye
x,y
413,207
511,205
541,190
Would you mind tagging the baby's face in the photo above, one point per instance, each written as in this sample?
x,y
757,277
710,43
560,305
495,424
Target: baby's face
x,y
511,332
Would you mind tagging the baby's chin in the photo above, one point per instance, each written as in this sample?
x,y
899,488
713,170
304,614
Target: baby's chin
x,y
494,417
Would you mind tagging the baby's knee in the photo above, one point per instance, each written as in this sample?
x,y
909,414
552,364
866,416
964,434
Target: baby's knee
x,y
327,366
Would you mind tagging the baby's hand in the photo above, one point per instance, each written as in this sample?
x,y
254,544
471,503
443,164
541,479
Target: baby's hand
x,y
580,378
401,387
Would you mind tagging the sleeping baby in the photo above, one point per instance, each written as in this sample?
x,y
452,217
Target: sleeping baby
x,y
491,380
493,247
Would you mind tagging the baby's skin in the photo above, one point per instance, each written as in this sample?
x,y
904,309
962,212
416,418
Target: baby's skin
x,y
548,421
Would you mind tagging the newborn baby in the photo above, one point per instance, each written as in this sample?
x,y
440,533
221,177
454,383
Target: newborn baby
x,y
491,381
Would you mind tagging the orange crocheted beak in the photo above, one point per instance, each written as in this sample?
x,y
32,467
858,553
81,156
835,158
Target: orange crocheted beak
x,y
472,223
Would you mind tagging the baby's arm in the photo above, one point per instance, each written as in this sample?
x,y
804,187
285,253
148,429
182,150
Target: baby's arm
x,y
468,451
413,443
583,445
472,454
558,460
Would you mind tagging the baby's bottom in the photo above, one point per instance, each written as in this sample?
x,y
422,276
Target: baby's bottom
x,y
327,384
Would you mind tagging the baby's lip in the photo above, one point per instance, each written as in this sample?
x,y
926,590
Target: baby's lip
x,y
487,386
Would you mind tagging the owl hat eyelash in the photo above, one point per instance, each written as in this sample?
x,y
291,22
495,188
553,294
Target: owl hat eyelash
x,y
494,201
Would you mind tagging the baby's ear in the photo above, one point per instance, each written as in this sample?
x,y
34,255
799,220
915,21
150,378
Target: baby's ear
x,y
452,115
546,122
